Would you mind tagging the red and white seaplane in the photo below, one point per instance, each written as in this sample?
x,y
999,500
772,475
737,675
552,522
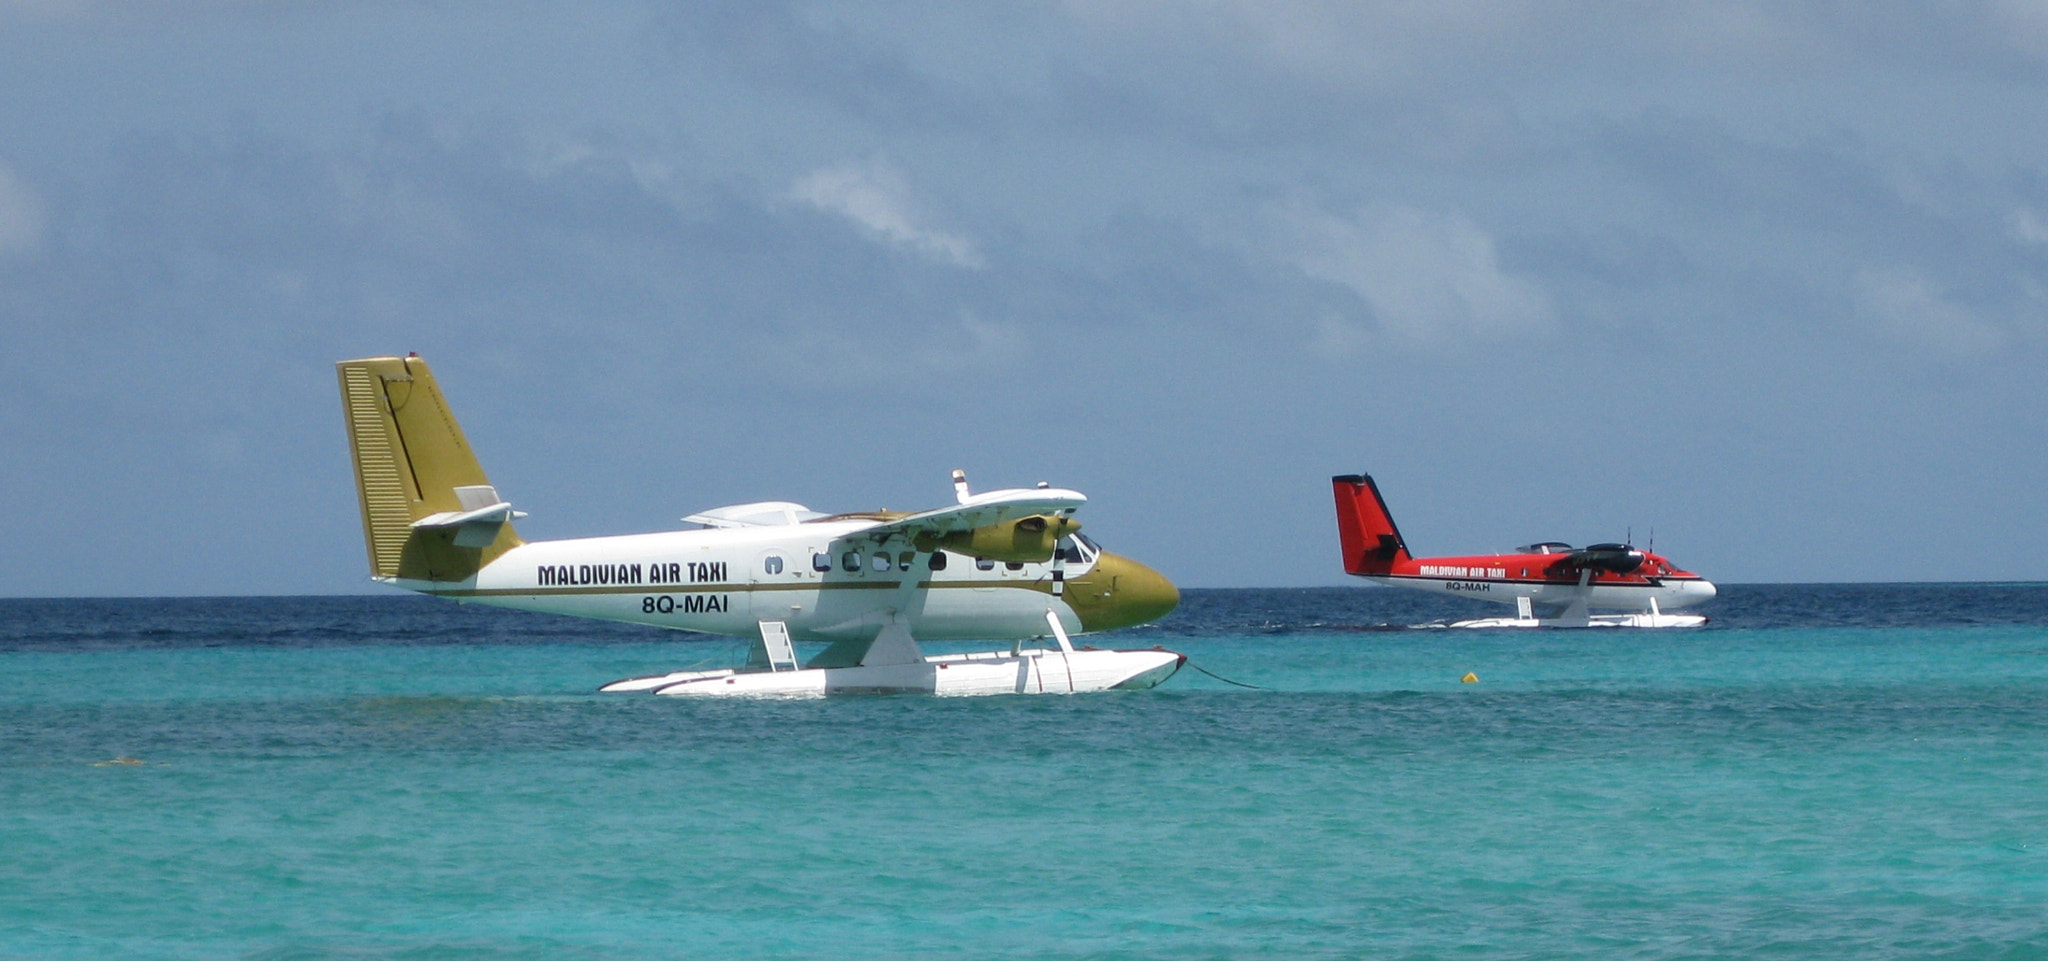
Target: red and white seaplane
x,y
1551,584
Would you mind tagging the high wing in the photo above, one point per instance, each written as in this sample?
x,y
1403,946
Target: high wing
x,y
977,511
1020,525
757,514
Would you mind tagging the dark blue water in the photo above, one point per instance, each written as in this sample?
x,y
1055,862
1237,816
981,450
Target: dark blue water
x,y
78,624
1824,771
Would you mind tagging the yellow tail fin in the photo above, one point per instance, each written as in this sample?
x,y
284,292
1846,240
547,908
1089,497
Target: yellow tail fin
x,y
428,512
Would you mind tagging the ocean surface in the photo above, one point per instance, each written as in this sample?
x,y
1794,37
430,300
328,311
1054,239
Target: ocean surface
x,y
1825,771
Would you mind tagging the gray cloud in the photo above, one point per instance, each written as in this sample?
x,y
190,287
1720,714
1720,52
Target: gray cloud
x,y
1777,270
875,196
21,215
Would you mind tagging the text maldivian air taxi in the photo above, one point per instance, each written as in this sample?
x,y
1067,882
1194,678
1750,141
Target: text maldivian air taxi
x,y
999,565
1551,584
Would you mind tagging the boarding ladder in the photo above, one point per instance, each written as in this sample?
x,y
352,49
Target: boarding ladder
x,y
776,644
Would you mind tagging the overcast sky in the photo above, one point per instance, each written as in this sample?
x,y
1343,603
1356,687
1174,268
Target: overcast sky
x,y
1767,278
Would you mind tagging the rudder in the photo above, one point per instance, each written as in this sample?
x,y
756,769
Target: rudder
x,y
428,511
1371,542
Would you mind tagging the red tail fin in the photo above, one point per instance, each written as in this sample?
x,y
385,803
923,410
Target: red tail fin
x,y
1372,544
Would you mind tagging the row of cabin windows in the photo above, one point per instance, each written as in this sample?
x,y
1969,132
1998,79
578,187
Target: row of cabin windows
x,y
852,561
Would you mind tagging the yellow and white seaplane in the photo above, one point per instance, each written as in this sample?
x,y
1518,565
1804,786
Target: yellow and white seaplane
x,y
1000,565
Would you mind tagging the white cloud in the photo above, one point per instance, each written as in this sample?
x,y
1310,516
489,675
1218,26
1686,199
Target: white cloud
x,y
21,215
2021,24
829,356
2027,226
875,196
1430,278
1903,305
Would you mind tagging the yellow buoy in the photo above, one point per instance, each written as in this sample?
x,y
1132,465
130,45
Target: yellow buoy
x,y
1470,678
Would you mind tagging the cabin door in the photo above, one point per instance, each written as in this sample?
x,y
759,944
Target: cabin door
x,y
773,581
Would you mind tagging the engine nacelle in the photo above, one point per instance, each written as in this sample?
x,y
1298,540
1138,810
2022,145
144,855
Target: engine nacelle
x,y
1025,540
1616,558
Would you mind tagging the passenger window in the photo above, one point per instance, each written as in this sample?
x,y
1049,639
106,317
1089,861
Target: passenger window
x,y
881,562
984,564
938,562
1014,565
772,563
851,561
904,560
821,562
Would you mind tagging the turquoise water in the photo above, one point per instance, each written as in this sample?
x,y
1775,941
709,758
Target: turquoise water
x,y
393,778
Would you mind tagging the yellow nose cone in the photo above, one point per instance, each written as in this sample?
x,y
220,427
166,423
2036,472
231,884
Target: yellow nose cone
x,y
1120,592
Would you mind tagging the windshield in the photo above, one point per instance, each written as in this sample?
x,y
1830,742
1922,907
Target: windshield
x,y
1079,549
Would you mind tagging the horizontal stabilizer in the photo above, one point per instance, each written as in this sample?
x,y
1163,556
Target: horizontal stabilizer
x,y
476,525
497,513
477,528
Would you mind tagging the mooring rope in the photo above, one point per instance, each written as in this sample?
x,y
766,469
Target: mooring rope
x,y
1225,680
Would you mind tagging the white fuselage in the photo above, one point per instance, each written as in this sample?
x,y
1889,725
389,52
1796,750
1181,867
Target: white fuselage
x,y
725,581
1668,593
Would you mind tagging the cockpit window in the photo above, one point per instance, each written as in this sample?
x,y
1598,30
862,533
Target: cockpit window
x,y
1078,549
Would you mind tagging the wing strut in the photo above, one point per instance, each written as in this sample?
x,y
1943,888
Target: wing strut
x,y
1574,614
1066,647
895,645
